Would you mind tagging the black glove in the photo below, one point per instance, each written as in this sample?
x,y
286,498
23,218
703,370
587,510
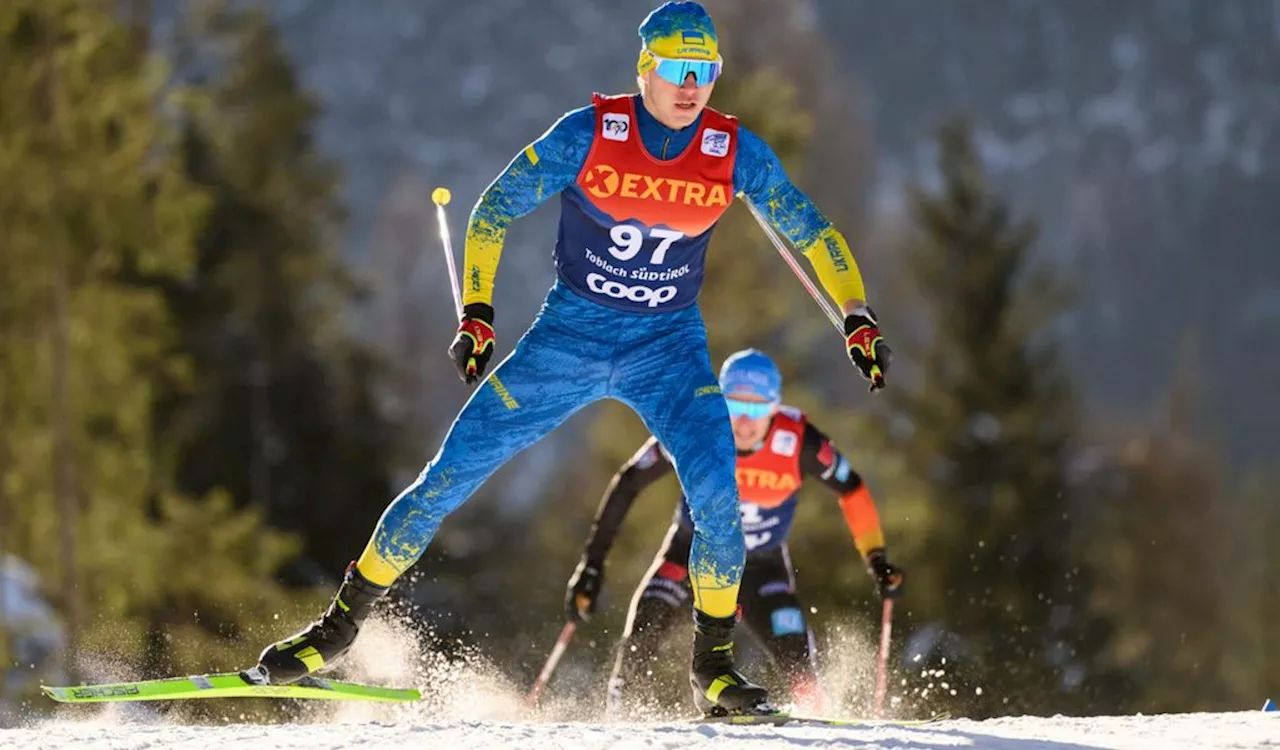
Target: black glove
x,y
583,590
473,345
866,346
888,578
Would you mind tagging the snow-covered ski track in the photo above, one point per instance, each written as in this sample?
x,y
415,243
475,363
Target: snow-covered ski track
x,y
1251,729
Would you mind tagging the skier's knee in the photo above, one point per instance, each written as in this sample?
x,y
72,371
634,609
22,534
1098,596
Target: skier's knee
x,y
643,637
790,641
716,518
433,496
792,653
658,608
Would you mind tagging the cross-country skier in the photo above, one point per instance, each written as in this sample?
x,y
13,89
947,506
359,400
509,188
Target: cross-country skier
x,y
642,181
777,448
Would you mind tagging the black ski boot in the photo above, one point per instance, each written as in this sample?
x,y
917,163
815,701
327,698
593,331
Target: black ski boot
x,y
327,638
718,688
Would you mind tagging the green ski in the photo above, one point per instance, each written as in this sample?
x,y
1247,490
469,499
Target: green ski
x,y
247,684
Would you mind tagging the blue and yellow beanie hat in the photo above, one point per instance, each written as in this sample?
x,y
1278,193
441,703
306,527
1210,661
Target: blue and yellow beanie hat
x,y
677,31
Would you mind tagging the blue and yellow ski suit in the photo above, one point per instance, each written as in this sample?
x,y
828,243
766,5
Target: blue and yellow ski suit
x,y
638,204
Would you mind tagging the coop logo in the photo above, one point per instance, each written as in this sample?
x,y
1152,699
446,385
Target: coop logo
x,y
638,294
603,181
615,127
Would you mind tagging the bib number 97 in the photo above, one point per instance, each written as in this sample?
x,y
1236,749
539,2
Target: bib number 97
x,y
628,241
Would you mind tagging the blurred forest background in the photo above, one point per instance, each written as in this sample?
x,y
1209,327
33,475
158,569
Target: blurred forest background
x,y
222,354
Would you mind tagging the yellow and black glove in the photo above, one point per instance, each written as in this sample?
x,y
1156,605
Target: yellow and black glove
x,y
473,345
866,346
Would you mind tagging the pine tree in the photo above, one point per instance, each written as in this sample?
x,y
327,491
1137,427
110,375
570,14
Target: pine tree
x,y
84,195
1253,595
93,196
1175,557
990,415
279,409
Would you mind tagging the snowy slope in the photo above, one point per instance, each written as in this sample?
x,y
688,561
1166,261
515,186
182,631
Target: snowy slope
x,y
471,704
1227,730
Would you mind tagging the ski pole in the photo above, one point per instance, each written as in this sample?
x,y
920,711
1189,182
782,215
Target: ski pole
x,y
882,662
440,196
836,320
558,651
822,301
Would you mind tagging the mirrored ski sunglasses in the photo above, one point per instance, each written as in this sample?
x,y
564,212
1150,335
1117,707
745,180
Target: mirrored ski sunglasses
x,y
676,71
749,409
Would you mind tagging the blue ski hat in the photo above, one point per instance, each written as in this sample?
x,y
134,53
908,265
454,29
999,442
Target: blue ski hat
x,y
750,371
678,31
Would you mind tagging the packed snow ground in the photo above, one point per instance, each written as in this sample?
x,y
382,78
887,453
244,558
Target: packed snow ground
x,y
1168,732
473,707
